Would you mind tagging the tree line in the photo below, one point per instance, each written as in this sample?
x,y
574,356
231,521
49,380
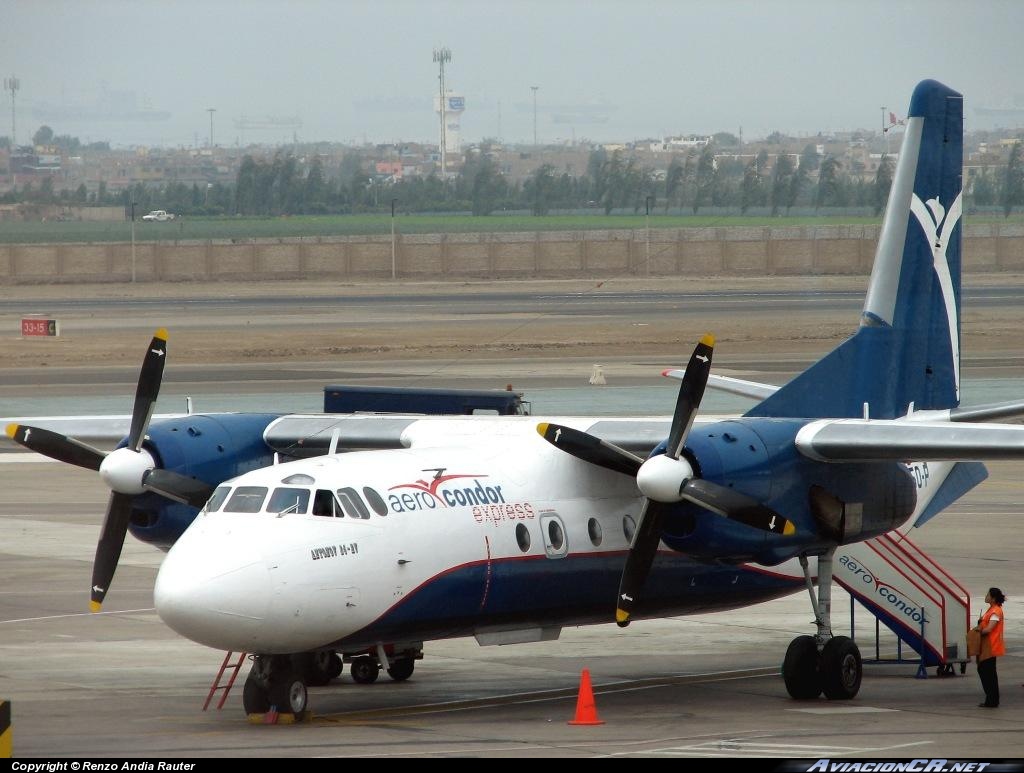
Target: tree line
x,y
617,181
614,181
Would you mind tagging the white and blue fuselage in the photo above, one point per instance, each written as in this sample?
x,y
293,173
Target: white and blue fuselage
x,y
427,542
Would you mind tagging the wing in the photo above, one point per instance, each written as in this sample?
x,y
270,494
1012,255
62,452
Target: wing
x,y
859,440
311,435
103,432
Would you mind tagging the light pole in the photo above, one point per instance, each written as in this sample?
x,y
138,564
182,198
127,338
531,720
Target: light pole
x,y
647,224
133,242
441,56
393,237
534,117
885,131
211,111
12,85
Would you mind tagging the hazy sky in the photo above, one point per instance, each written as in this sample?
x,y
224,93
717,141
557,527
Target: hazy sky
x,y
606,70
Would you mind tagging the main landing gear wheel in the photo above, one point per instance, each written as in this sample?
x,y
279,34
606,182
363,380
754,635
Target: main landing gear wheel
x,y
401,669
336,666
841,669
318,668
800,669
836,669
365,670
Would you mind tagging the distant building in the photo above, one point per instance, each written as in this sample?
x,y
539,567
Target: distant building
x,y
677,144
25,160
392,169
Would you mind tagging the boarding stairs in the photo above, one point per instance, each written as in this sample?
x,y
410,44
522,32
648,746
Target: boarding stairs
x,y
908,592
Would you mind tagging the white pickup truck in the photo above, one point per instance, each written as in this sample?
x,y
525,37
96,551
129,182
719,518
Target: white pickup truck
x,y
157,216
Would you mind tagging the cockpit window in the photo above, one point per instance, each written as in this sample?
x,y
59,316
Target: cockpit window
x,y
324,503
376,501
352,503
288,500
215,501
246,499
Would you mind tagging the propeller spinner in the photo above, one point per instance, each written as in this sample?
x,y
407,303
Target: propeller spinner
x,y
665,479
128,471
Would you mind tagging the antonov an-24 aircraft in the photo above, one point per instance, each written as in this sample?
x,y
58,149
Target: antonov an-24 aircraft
x,y
384,532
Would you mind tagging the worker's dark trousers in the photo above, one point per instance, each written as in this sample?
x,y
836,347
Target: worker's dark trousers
x,y
989,681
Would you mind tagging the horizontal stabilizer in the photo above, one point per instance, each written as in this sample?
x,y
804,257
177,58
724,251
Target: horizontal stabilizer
x,y
736,386
1011,411
857,440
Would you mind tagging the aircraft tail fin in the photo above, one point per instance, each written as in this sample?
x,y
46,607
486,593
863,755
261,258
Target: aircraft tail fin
x,y
907,348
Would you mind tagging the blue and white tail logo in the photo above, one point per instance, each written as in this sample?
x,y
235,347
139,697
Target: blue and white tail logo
x,y
907,348
938,226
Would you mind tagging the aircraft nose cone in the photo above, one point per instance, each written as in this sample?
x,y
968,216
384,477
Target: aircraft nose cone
x,y
212,591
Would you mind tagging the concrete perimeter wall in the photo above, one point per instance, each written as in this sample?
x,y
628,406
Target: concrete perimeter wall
x,y
798,250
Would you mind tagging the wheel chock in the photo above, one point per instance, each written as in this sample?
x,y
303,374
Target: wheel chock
x,y
5,729
278,718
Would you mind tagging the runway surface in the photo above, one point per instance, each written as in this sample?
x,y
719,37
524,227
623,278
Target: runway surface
x,y
121,684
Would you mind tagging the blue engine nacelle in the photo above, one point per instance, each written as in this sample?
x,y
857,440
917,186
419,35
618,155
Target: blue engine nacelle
x,y
827,503
209,448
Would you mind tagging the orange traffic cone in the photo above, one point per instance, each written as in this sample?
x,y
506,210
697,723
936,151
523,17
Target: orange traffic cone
x,y
586,709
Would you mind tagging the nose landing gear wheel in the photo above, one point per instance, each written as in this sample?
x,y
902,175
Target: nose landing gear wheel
x,y
254,697
288,694
274,682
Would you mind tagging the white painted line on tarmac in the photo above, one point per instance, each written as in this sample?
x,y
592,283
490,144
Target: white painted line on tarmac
x,y
745,748
77,614
844,710
17,457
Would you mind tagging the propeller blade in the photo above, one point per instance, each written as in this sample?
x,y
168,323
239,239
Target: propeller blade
x,y
736,506
691,390
590,449
639,559
180,488
149,388
108,551
56,446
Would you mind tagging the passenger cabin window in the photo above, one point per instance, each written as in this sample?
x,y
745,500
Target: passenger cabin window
x,y
288,500
246,499
325,503
352,503
215,501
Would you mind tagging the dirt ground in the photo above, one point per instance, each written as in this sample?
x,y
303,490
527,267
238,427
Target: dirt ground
x,y
327,331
